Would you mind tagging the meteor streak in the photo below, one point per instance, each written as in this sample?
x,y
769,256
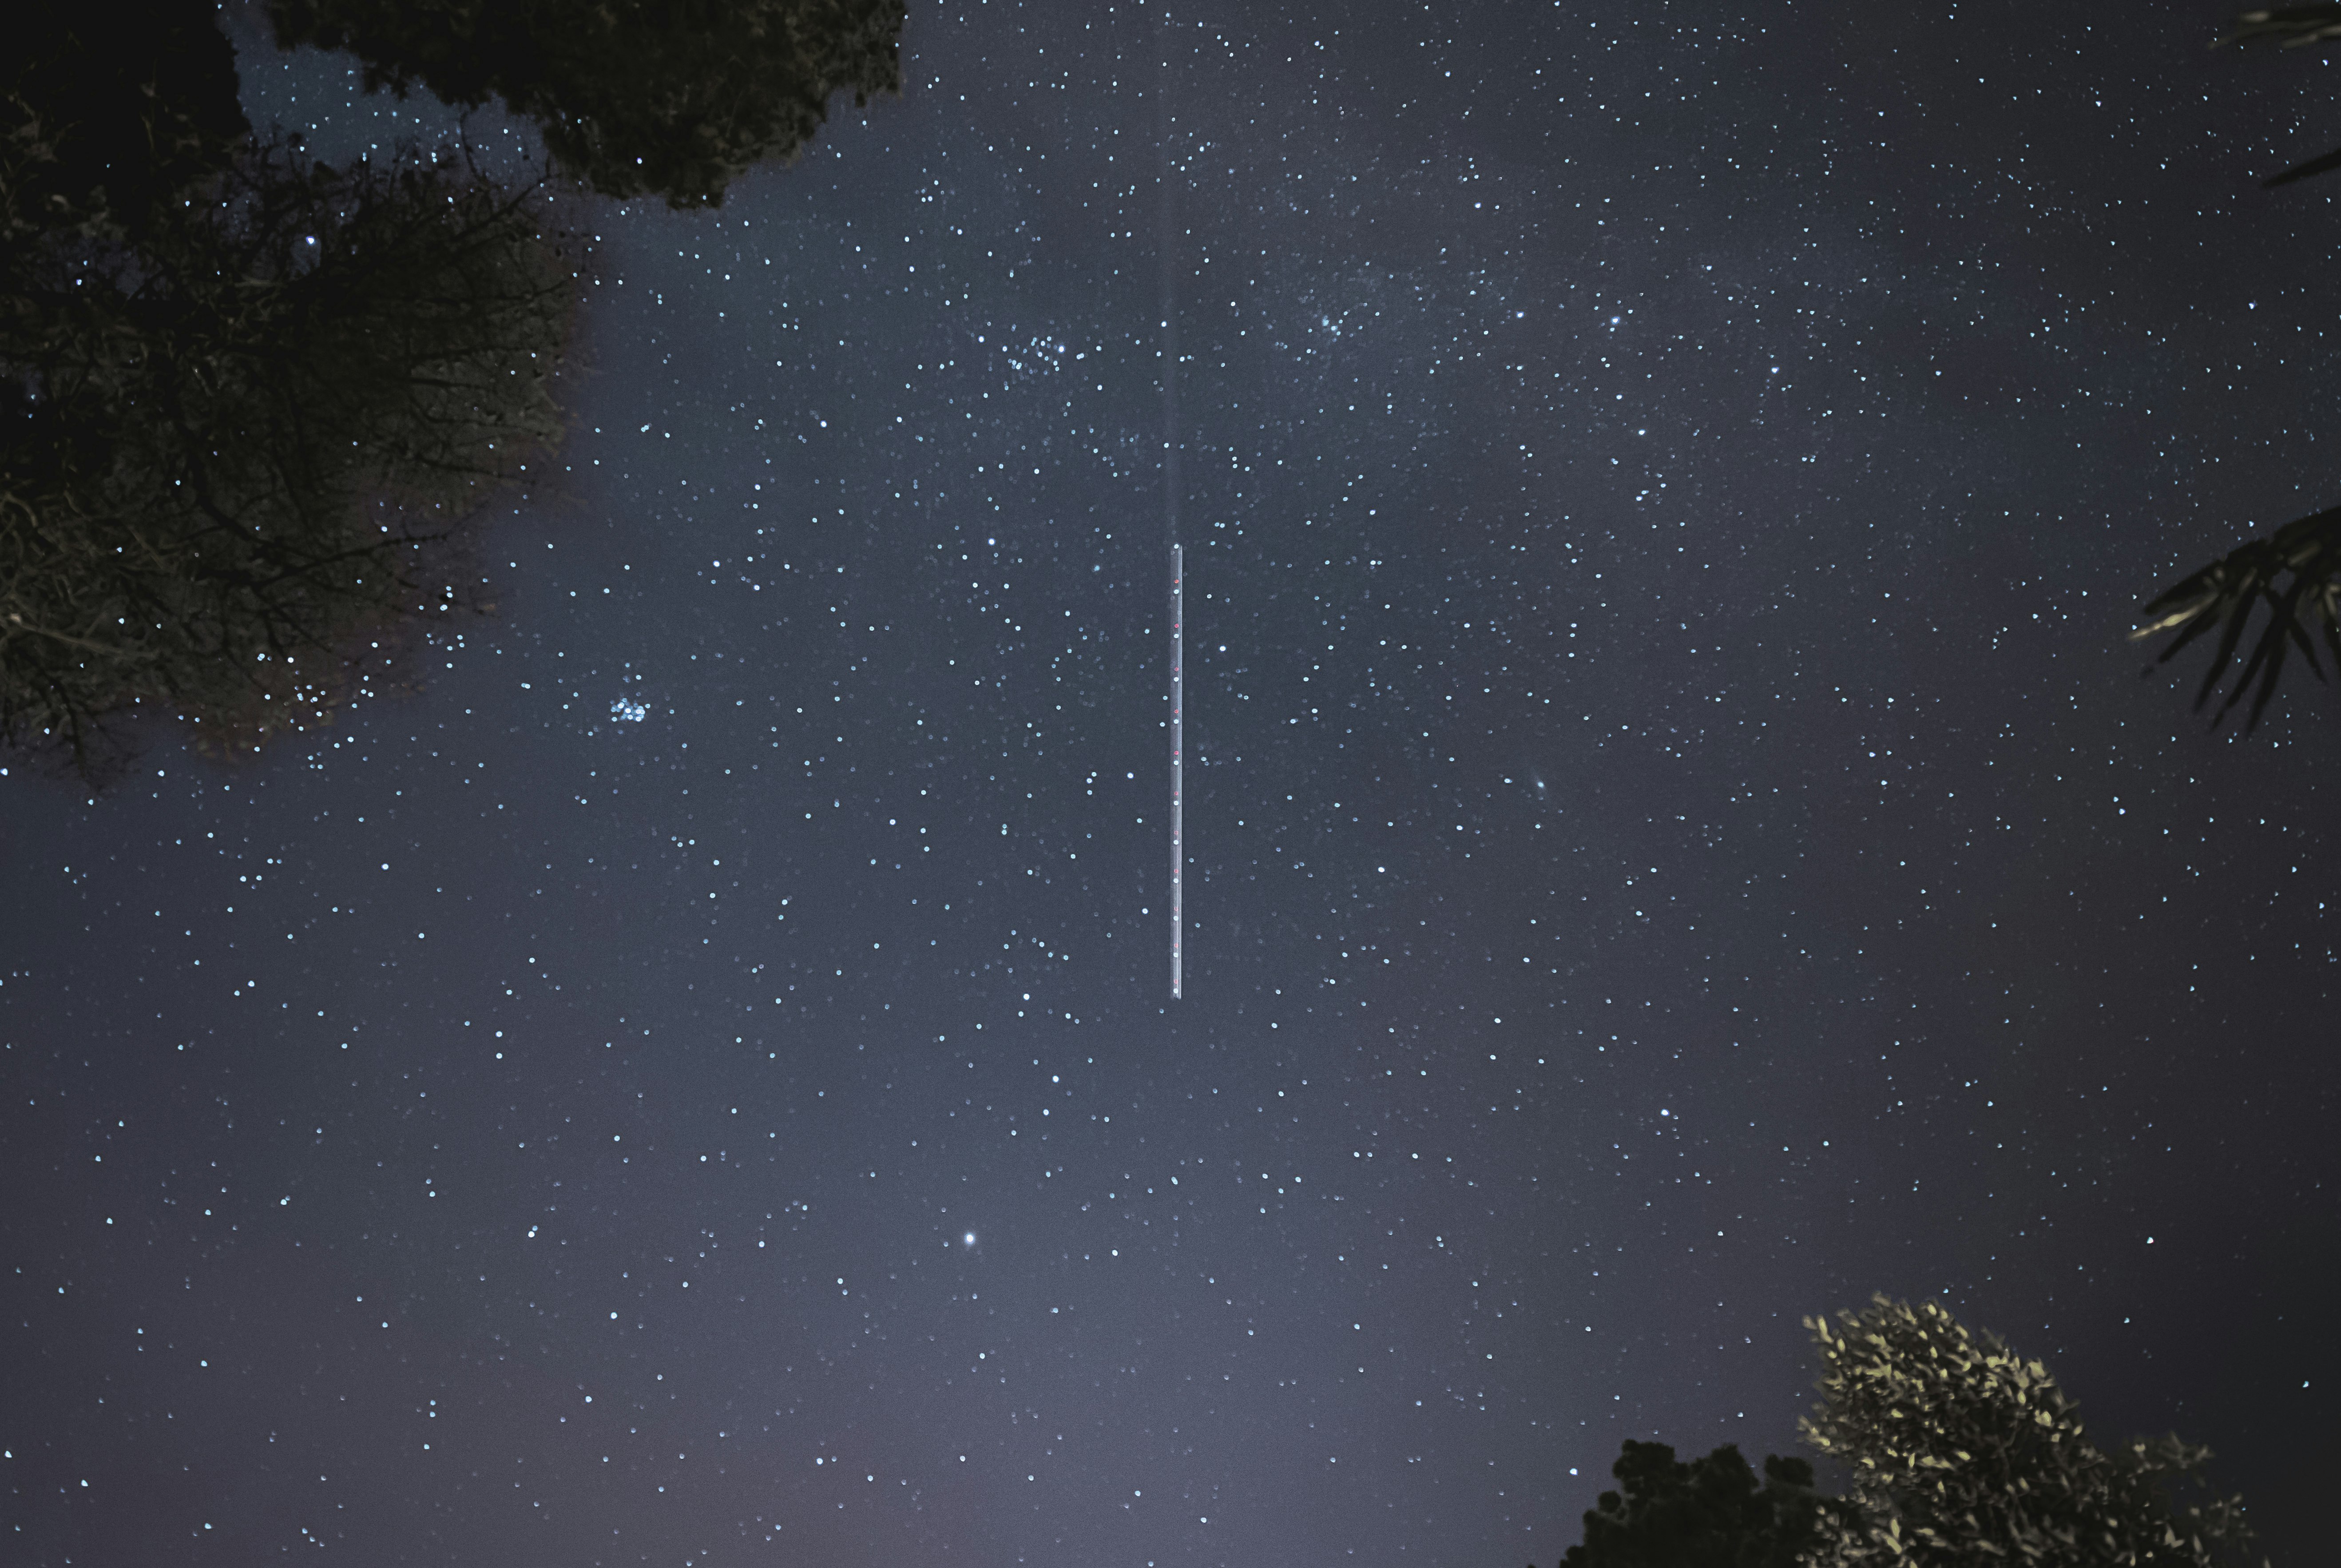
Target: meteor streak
x,y
1166,247
1178,762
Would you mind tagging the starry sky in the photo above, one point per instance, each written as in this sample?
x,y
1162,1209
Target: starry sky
x,y
1676,840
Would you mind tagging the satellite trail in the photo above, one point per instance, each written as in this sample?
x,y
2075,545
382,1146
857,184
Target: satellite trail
x,y
1167,246
1178,737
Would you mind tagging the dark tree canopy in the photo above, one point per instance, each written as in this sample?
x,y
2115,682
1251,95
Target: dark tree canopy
x,y
673,98
1707,1514
1961,1455
2294,574
114,106
246,397
251,400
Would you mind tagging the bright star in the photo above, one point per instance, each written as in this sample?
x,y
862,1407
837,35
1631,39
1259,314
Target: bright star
x,y
969,1239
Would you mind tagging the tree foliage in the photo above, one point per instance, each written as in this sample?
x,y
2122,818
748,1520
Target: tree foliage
x,y
113,106
1707,1514
246,396
1963,1453
672,98
2294,574
248,400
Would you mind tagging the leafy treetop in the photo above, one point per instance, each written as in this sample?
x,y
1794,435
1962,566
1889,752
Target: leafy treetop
x,y
673,98
1962,1452
1707,1514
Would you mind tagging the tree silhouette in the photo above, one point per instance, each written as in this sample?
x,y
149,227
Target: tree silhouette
x,y
247,395
251,400
673,99
1707,1514
2294,574
1960,1455
114,105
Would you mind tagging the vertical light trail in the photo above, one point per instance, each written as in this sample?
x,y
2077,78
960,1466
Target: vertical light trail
x,y
1167,248
1167,260
1177,766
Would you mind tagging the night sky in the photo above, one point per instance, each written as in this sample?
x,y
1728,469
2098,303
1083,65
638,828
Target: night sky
x,y
1678,840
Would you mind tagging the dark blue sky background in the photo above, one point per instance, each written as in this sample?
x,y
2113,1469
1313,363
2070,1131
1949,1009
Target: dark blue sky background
x,y
1677,840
